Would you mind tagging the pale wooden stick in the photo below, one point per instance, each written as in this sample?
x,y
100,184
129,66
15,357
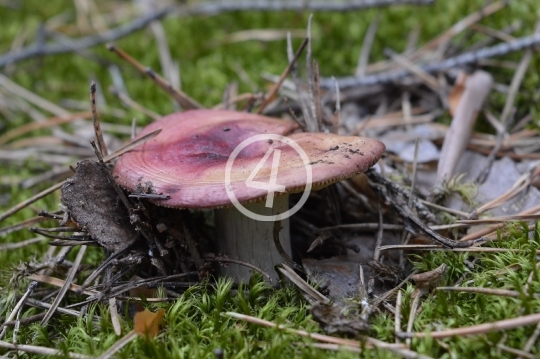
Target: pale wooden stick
x,y
65,287
42,350
272,93
363,59
131,145
119,344
479,329
59,283
458,27
396,348
54,121
30,200
115,320
490,291
18,307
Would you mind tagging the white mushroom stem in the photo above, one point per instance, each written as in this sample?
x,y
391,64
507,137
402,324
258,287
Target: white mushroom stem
x,y
251,241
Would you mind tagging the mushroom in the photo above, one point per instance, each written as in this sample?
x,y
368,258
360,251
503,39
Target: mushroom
x,y
226,160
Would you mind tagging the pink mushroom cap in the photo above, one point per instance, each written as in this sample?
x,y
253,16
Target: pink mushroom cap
x,y
187,160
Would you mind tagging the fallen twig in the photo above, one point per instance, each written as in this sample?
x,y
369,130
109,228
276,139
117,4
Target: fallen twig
x,y
460,60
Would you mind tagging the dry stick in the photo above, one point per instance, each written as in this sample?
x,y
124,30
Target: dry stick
x,y
396,348
446,209
532,339
521,184
54,121
97,128
131,145
460,26
479,329
311,120
272,93
453,62
516,81
199,8
337,113
437,247
42,350
412,314
115,320
32,97
40,304
30,200
303,123
497,34
11,246
119,344
376,252
317,95
413,223
40,49
126,100
311,294
165,58
183,99
490,291
426,78
212,7
516,217
365,226
363,59
71,274
18,226
18,307
520,354
397,316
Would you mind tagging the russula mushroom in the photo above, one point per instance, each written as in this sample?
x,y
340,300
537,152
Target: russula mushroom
x,y
188,159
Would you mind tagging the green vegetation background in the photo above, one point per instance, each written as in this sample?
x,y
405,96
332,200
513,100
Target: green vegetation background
x,y
193,324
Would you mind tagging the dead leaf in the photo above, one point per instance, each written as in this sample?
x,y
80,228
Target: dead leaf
x,y
146,323
431,278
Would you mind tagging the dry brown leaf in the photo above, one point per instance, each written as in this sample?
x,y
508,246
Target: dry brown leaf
x,y
146,323
430,278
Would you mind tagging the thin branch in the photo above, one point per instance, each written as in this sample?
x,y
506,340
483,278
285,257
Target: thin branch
x,y
42,350
67,283
272,93
30,200
478,329
460,60
181,97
